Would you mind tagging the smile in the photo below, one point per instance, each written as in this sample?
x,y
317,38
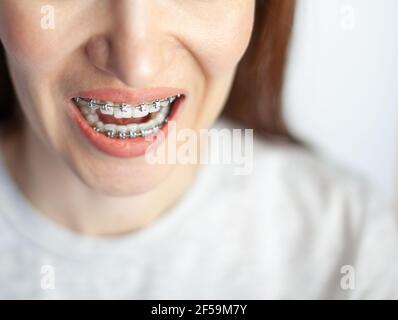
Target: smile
x,y
121,120
125,122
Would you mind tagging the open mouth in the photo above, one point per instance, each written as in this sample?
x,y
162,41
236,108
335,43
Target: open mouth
x,y
121,120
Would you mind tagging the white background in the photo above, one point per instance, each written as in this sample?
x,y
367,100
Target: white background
x,y
341,93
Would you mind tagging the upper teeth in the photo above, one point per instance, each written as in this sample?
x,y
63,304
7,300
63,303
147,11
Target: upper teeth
x,y
124,110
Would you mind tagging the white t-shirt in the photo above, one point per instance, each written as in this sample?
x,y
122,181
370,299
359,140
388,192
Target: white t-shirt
x,y
295,228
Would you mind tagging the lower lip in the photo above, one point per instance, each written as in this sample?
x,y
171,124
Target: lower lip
x,y
122,148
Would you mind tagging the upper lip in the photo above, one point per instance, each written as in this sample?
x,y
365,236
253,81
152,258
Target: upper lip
x,y
129,95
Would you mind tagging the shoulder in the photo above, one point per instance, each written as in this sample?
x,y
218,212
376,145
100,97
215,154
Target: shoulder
x,y
317,214
298,178
297,191
303,176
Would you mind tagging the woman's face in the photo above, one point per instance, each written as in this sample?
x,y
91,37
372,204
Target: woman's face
x,y
125,51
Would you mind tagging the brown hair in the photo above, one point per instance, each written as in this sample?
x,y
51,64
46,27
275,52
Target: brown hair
x,y
259,79
258,82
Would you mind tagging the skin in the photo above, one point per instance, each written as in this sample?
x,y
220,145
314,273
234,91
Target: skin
x,y
190,44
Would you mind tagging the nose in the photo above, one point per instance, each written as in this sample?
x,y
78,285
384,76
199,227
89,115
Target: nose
x,y
133,48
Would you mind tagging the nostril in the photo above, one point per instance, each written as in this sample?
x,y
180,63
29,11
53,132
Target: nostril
x,y
98,50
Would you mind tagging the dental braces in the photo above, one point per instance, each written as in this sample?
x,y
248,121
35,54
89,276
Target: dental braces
x,y
124,108
131,134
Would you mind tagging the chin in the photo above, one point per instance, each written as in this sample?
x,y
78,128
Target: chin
x,y
125,181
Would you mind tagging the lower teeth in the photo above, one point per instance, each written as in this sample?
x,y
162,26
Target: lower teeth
x,y
129,134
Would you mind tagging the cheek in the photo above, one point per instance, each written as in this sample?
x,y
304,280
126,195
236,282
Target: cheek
x,y
25,41
219,44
